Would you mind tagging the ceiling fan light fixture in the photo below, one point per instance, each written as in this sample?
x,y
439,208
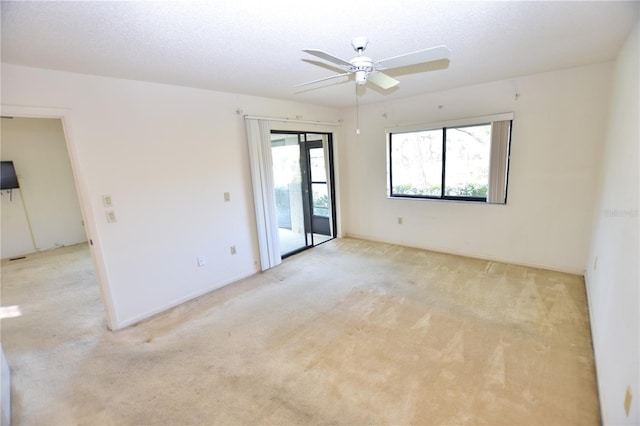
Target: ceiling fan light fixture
x,y
361,77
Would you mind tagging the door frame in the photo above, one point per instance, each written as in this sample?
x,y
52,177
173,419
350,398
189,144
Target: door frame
x,y
308,182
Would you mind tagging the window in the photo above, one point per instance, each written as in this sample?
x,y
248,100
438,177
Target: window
x,y
459,161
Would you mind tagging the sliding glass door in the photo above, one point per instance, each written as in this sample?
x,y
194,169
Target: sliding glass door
x,y
303,189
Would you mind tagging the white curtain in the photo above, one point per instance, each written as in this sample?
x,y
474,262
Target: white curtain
x,y
264,195
497,191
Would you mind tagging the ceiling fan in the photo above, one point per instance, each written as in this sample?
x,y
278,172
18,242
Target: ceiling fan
x,y
366,69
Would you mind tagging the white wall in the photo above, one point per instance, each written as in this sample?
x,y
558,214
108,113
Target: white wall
x,y
558,127
166,155
47,194
15,235
613,280
5,391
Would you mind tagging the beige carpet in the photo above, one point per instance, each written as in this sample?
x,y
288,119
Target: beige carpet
x,y
350,332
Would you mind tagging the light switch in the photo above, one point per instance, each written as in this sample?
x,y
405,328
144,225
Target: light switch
x,y
227,197
111,216
106,200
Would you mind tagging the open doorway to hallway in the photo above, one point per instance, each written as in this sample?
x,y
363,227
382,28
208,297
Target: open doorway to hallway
x,y
42,212
303,180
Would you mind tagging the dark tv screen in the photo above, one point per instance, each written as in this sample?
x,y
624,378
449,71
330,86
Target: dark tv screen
x,y
8,178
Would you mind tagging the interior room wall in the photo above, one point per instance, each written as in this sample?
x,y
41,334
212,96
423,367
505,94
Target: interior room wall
x,y
613,272
166,155
5,390
47,198
557,131
15,235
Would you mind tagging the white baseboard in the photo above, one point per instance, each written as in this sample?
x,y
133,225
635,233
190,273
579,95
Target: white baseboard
x,y
481,256
587,281
136,319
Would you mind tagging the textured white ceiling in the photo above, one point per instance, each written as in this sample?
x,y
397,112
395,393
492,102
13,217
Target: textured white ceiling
x,y
254,47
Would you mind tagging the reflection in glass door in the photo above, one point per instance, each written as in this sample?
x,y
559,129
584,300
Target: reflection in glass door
x,y
302,179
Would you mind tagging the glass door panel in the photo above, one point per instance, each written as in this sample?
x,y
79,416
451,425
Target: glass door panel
x,y
320,196
287,178
316,165
320,222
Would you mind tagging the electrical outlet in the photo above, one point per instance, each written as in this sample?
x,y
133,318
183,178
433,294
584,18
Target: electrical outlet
x,y
201,261
227,197
106,200
627,400
233,249
400,221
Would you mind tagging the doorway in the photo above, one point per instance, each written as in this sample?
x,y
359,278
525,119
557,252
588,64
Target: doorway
x,y
55,216
303,181
42,211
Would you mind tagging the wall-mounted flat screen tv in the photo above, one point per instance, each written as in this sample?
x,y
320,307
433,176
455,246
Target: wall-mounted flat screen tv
x,y
8,178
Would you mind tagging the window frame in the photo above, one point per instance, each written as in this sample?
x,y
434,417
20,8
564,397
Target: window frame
x,y
443,126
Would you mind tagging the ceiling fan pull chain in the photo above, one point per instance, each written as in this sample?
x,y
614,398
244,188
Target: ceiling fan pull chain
x,y
357,112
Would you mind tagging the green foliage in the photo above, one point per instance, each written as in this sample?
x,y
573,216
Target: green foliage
x,y
320,204
408,189
320,200
466,190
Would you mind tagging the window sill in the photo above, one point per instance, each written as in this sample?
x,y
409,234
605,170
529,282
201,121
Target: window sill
x,y
444,200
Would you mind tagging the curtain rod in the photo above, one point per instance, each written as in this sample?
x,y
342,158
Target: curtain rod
x,y
324,123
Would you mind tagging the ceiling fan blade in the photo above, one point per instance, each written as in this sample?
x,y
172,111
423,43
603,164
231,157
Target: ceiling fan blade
x,y
382,80
324,65
322,79
418,57
327,57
